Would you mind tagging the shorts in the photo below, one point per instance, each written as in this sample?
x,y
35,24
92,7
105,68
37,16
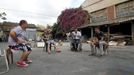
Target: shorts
x,y
22,47
51,42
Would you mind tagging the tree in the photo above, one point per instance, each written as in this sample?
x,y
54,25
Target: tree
x,y
48,26
2,16
73,18
56,30
40,27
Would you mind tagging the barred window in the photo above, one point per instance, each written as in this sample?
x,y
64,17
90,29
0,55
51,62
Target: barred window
x,y
99,16
125,10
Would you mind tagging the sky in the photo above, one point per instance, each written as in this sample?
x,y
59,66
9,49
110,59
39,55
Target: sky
x,y
40,12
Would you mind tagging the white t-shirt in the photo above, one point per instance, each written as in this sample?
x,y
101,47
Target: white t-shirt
x,y
76,35
20,33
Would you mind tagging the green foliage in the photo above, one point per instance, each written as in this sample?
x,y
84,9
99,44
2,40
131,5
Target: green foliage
x,y
2,16
56,30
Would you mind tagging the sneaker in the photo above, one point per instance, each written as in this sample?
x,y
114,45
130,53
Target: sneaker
x,y
22,64
28,61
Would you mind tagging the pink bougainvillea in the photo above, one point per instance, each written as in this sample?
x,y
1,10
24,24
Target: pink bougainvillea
x,y
73,18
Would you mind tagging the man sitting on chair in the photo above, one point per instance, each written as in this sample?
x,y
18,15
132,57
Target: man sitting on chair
x,y
76,39
100,42
18,41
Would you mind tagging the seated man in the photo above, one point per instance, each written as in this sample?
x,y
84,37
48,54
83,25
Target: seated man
x,y
76,35
18,41
99,36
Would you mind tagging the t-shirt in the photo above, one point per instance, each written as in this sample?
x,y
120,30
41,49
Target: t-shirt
x,y
48,35
20,33
76,35
45,37
99,35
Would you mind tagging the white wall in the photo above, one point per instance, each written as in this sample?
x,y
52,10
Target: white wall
x,y
94,5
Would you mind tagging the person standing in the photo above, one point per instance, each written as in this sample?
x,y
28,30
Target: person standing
x,y
45,39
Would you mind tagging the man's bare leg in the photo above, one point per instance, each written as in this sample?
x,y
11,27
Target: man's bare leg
x,y
23,56
26,56
21,62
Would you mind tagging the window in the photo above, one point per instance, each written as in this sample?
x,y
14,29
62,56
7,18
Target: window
x,y
99,16
125,10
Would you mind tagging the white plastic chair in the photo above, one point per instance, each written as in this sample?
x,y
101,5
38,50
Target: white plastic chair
x,y
6,62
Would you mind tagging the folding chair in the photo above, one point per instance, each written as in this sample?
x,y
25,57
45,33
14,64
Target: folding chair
x,y
6,61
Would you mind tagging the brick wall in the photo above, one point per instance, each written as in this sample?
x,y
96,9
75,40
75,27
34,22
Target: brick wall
x,y
111,13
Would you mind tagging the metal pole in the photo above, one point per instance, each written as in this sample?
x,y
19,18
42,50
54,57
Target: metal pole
x,y
108,30
132,32
92,32
108,33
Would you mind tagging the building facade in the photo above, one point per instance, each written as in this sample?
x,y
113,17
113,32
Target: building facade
x,y
113,16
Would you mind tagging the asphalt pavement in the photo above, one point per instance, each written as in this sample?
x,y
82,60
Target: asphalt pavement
x,y
120,61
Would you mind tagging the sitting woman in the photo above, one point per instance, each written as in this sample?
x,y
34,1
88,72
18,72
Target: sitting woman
x,y
50,42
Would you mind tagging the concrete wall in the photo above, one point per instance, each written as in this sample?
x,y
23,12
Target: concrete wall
x,y
94,5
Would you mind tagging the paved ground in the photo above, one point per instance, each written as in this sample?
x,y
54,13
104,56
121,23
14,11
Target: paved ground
x,y
120,61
